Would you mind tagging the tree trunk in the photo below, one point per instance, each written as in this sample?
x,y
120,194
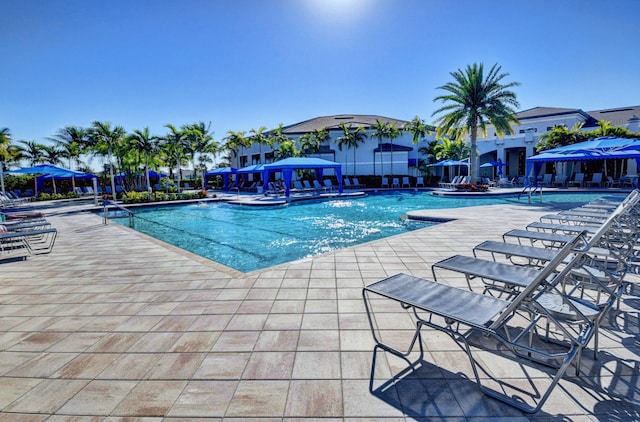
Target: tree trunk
x,y
473,156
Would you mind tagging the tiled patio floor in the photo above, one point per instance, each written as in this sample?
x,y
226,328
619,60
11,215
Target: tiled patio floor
x,y
116,325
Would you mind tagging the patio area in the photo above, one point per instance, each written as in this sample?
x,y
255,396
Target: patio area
x,y
114,324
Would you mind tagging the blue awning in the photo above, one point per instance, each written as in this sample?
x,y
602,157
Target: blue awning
x,y
287,166
595,149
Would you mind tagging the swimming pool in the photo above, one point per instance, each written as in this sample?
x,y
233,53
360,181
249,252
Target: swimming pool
x,y
251,238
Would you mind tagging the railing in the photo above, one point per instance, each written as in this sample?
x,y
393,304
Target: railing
x,y
105,212
530,191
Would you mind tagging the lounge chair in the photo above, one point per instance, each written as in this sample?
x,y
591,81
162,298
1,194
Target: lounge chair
x,y
357,184
612,183
454,182
561,180
420,181
578,180
596,179
506,183
318,187
461,313
385,182
547,179
330,187
347,183
23,243
405,182
308,186
274,190
395,183
298,188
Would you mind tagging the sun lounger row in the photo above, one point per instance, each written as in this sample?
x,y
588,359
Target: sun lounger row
x,y
458,180
543,296
23,237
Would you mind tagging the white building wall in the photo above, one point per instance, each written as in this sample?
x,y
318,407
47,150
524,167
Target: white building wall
x,y
366,161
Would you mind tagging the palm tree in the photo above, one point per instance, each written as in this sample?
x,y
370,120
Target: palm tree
x,y
106,140
286,148
174,143
418,129
32,151
560,136
235,141
259,138
277,137
474,100
381,131
351,138
146,144
448,149
71,140
199,140
394,132
309,143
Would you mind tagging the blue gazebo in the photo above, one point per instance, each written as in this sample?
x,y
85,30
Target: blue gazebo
x,y
287,166
225,172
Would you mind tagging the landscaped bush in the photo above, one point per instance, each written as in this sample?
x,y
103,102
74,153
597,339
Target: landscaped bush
x,y
141,197
51,196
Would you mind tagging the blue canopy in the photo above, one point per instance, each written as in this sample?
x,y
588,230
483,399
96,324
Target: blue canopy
x,y
595,149
447,163
225,172
498,164
256,168
287,166
48,169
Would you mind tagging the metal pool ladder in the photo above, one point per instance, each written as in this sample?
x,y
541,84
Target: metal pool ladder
x,y
105,212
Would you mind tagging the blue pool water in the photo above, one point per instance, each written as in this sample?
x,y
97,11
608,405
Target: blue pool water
x,y
251,238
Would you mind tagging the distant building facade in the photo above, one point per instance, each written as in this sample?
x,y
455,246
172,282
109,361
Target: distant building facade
x,y
401,157
372,157
514,149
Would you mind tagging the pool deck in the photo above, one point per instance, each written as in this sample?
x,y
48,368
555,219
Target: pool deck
x,y
114,325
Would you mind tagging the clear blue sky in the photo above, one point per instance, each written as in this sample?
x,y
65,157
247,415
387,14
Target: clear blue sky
x,y
242,64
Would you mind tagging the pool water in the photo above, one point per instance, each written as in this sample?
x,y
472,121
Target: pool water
x,y
251,238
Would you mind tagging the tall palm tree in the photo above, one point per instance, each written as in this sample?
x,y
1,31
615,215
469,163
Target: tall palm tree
x,y
351,138
394,132
32,151
258,137
472,101
417,128
381,131
106,141
174,143
71,140
146,144
235,141
199,140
